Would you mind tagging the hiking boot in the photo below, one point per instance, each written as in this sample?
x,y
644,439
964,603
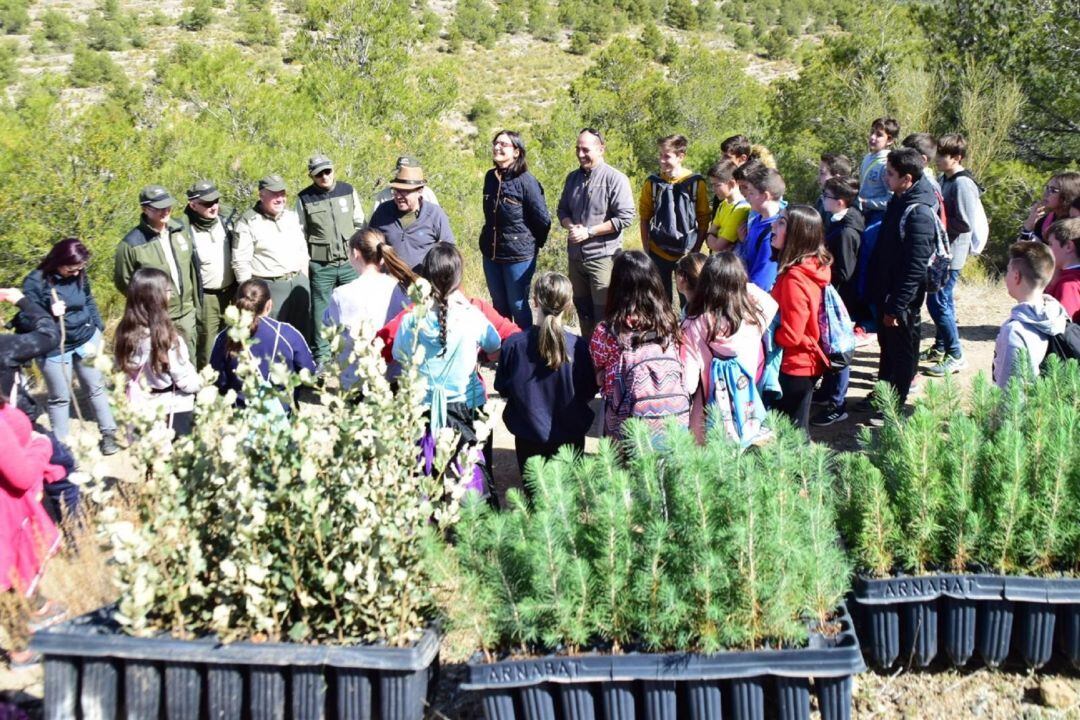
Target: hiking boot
x,y
831,414
108,444
948,366
932,355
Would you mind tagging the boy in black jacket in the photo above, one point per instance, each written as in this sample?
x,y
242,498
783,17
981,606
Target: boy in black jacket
x,y
899,264
843,234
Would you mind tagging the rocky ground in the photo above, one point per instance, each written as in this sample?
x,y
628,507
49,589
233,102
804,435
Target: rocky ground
x,y
907,693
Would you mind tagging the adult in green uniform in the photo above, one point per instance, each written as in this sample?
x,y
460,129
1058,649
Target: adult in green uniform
x,y
329,211
159,242
209,227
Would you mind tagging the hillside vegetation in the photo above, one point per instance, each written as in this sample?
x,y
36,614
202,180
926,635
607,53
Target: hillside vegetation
x,y
102,99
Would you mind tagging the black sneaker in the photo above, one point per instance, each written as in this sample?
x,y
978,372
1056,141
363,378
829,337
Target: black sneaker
x,y
108,444
866,405
828,416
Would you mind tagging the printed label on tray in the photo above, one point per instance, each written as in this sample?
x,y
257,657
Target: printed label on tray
x,y
540,670
933,586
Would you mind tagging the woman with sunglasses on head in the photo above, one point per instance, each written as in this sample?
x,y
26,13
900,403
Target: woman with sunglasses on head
x,y
61,286
1057,199
516,225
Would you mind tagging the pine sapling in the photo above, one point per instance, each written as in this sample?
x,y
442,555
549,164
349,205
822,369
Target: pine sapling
x,y
1005,499
963,457
871,526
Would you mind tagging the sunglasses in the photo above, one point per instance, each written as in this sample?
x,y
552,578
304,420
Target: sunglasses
x,y
594,132
208,203
327,171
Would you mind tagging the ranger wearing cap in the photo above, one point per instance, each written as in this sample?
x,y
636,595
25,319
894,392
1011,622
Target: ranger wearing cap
x,y
209,226
411,226
330,212
387,194
159,242
270,246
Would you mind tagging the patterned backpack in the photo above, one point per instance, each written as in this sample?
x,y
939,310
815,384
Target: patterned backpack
x,y
648,385
734,401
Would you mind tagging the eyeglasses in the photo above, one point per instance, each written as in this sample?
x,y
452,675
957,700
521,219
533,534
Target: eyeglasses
x,y
828,197
594,132
500,144
327,171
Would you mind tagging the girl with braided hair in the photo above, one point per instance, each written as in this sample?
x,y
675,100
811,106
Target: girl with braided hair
x,y
450,336
370,301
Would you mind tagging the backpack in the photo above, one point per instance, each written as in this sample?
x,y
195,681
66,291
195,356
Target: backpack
x,y
836,328
673,226
648,385
1065,345
937,269
734,400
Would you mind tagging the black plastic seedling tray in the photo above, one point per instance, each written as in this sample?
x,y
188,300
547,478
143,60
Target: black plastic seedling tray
x,y
912,618
92,670
666,686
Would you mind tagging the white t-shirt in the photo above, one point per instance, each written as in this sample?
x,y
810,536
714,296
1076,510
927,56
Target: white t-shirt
x,y
370,301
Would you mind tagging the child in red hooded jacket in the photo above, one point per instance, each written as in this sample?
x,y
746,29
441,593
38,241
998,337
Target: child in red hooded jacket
x,y
803,265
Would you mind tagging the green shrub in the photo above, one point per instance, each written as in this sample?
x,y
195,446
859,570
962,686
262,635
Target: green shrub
x,y
259,26
198,16
103,33
283,527
681,14
473,20
14,16
9,62
580,44
777,44
59,28
743,38
679,547
158,18
952,489
93,67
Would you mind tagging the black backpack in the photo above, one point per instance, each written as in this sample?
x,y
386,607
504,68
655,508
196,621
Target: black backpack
x,y
1065,345
673,226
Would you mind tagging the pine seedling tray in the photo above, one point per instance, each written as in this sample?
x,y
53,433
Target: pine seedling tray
x,y
912,618
93,670
666,686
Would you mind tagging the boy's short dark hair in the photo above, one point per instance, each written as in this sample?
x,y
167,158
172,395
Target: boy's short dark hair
x,y
907,161
952,145
836,163
923,142
768,180
1066,231
675,143
724,170
888,125
843,187
1034,261
736,145
748,168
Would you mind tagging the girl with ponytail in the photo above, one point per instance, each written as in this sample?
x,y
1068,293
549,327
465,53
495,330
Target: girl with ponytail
x,y
273,341
547,377
373,299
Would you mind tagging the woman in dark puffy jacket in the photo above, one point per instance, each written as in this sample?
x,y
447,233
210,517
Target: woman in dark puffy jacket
x,y
60,286
516,225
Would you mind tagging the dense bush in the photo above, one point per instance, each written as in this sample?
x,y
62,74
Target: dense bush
x,y
14,16
679,547
951,489
59,28
198,16
262,525
93,67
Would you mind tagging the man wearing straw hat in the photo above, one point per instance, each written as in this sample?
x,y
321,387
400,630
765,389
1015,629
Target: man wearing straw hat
x,y
411,225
